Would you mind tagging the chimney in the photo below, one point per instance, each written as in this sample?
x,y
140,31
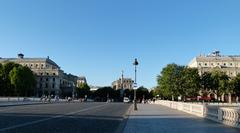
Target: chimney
x,y
20,56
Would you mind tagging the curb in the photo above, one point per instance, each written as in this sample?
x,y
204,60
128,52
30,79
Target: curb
x,y
10,105
123,124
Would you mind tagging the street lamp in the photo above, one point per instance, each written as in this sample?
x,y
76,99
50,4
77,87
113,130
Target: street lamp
x,y
135,63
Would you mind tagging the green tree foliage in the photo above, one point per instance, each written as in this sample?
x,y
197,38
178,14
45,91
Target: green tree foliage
x,y
16,80
1,79
104,93
8,89
23,80
206,82
235,85
176,80
83,90
190,82
220,82
169,82
142,93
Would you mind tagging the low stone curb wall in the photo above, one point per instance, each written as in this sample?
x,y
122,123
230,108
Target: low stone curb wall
x,y
225,115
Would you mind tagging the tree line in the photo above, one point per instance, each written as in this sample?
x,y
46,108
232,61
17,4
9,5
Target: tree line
x,y
176,80
16,80
105,93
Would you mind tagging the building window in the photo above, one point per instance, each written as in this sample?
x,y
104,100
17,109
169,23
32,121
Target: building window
x,y
41,73
54,74
205,64
47,73
212,64
46,79
41,79
46,85
53,79
231,64
53,85
224,64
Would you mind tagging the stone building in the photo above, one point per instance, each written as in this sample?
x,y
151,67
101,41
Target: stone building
x,y
229,64
81,80
123,83
50,77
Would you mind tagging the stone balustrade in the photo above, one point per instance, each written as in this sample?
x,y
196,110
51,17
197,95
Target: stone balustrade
x,y
226,115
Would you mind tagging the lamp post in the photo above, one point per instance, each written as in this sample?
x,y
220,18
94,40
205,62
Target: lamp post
x,y
135,63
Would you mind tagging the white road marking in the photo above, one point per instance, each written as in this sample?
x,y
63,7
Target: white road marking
x,y
47,119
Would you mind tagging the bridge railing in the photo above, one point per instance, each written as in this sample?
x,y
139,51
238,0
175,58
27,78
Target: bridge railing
x,y
226,115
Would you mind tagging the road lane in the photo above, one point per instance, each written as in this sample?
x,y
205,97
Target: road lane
x,y
73,117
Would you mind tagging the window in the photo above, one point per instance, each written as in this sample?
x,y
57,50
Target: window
x,y
41,73
41,79
54,74
47,73
53,79
46,85
224,64
199,64
212,64
53,85
205,64
46,79
231,64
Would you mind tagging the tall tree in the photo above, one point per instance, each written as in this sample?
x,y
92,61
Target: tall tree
x,y
235,84
220,82
1,80
104,93
83,90
169,81
142,93
23,80
206,83
191,82
8,89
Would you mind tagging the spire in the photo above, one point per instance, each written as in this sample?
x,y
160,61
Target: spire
x,y
122,79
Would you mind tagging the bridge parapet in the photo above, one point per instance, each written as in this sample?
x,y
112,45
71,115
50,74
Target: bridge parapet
x,y
226,115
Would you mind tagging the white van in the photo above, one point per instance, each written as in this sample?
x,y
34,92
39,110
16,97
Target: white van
x,y
126,100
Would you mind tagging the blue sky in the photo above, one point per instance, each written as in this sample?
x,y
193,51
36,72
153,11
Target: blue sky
x,y
100,38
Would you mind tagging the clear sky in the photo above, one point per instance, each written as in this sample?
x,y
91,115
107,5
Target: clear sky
x,y
100,38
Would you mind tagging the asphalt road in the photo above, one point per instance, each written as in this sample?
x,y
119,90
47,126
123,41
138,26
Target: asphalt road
x,y
64,118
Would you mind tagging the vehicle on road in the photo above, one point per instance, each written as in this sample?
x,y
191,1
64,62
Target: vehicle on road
x,y
126,100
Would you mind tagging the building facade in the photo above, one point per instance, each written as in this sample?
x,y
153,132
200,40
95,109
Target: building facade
x,y
50,77
123,83
81,80
229,64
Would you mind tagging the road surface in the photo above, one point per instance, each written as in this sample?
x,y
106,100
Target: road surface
x,y
63,118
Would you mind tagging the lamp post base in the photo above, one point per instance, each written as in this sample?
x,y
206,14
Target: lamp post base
x,y
135,105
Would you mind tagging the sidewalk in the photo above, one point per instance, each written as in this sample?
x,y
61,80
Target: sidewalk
x,y
151,118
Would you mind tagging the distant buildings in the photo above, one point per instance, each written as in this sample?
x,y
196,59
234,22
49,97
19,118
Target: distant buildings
x,y
123,83
81,80
229,64
50,78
